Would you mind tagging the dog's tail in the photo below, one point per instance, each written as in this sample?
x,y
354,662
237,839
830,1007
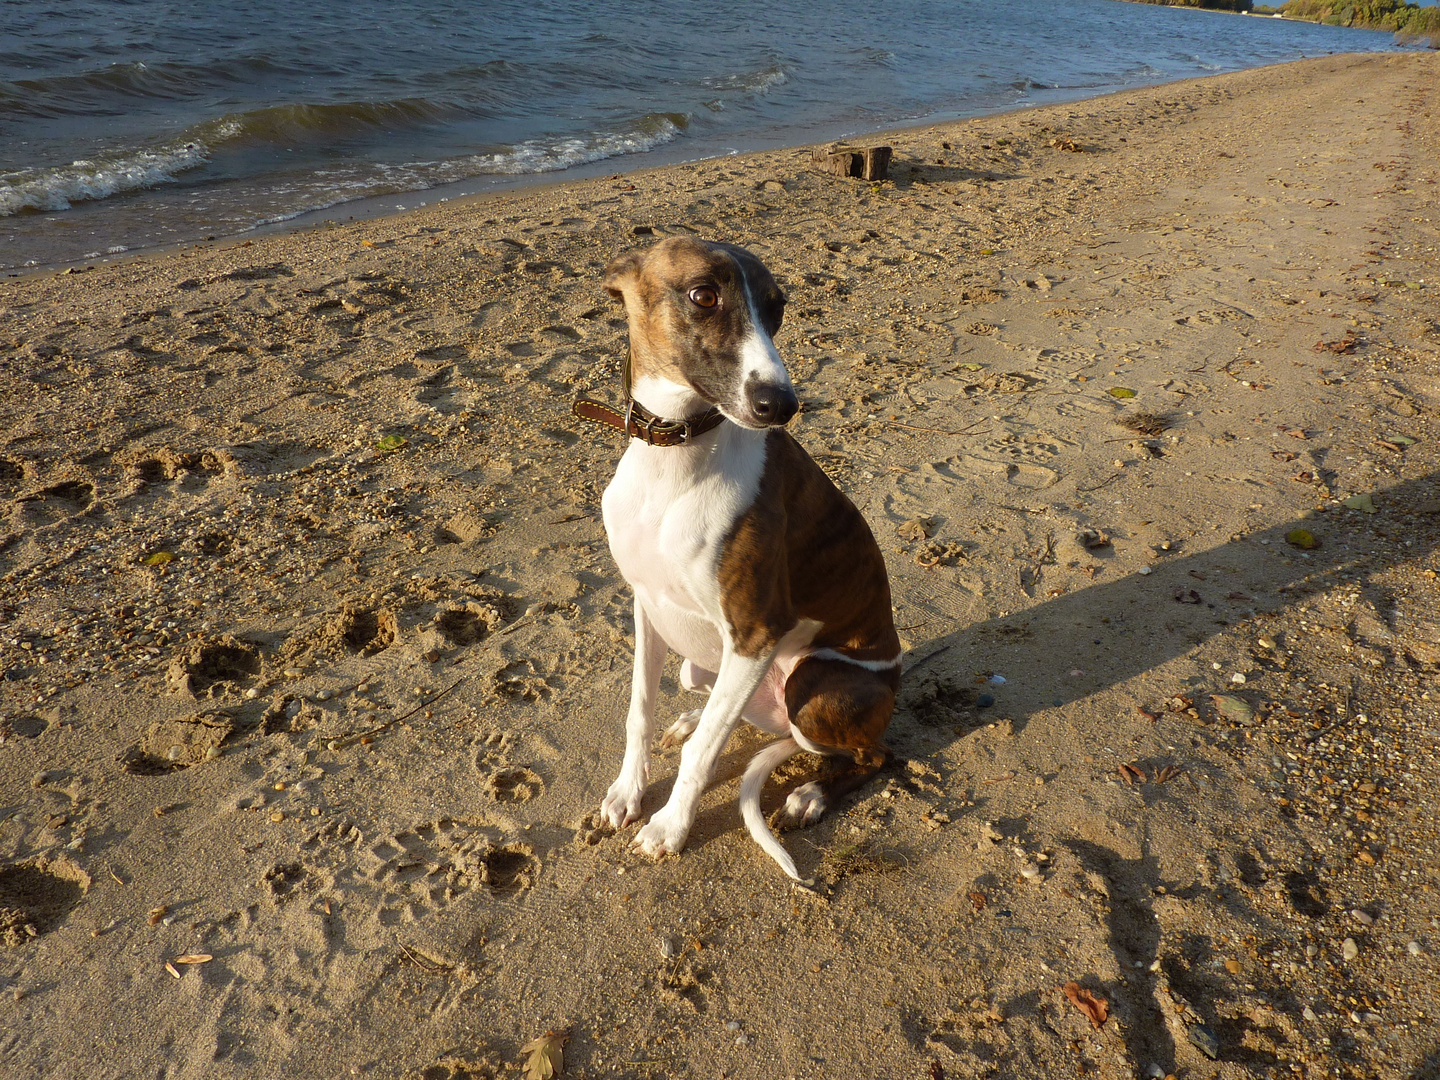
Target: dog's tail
x,y
756,773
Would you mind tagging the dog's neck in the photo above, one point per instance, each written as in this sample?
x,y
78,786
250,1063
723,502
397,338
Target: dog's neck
x,y
666,398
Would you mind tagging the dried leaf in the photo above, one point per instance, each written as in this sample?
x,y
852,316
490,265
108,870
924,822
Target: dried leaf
x,y
194,958
1364,503
1147,714
1097,1009
1168,773
979,900
1303,539
158,913
159,558
172,969
1236,710
1121,392
391,442
544,1055
1131,773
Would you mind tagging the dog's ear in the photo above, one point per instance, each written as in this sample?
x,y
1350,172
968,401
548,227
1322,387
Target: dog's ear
x,y
622,269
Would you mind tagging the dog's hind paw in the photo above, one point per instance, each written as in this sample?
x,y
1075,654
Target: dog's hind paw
x,y
681,729
806,805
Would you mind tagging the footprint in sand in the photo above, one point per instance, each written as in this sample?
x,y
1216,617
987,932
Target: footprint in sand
x,y
1020,475
37,896
506,782
56,503
432,865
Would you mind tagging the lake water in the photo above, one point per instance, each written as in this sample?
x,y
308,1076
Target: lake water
x,y
136,124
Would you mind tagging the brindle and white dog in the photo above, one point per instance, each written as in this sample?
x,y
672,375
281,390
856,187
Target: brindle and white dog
x,y
744,557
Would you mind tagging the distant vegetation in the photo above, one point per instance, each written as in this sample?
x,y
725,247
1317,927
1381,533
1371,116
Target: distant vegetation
x,y
1213,5
1410,21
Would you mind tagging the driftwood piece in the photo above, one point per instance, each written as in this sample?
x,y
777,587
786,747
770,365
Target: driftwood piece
x,y
869,163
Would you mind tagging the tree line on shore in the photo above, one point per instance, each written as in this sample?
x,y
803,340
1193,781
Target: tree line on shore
x,y
1409,21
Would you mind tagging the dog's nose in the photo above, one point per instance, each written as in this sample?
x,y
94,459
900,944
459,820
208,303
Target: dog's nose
x,y
771,404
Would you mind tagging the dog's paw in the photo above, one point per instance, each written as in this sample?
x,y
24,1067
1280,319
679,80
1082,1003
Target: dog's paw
x,y
806,804
681,729
621,805
663,833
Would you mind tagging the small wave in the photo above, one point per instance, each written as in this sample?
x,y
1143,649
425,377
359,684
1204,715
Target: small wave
x,y
541,155
115,87
750,82
47,190
300,123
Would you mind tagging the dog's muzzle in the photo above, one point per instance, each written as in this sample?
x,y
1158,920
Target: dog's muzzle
x,y
771,405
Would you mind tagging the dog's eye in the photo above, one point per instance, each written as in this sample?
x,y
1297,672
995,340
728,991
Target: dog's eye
x,y
704,296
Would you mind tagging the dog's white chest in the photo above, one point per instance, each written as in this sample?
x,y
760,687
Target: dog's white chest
x,y
667,514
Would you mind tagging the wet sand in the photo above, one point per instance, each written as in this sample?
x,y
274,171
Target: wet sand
x,y
315,660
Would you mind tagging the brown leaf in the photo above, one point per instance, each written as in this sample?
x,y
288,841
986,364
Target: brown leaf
x,y
1147,714
544,1055
1168,773
1097,1009
194,958
979,899
1131,773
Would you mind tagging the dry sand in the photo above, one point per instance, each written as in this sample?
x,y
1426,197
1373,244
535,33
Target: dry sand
x,y
182,770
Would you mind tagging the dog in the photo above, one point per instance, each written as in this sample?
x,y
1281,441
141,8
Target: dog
x,y
744,557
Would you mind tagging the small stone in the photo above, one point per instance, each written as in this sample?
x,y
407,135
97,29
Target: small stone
x,y
278,816
1204,1040
1145,570
984,701
732,1025
1309,1014
1032,874
333,744
1238,678
322,695
211,753
1414,949
1312,950
669,948
1266,643
1364,918
1349,950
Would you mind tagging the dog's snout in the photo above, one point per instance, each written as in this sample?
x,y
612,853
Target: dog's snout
x,y
771,404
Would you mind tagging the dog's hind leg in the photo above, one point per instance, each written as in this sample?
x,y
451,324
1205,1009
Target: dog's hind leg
x,y
681,729
622,802
841,710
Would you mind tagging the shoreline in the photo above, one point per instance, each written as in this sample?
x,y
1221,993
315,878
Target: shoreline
x,y
314,661
372,207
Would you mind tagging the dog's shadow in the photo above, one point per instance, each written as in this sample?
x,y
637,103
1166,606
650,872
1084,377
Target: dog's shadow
x,y
1124,636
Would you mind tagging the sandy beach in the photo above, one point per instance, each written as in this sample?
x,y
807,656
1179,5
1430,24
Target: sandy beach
x,y
315,660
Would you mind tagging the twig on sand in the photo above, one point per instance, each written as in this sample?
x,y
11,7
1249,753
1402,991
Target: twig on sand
x,y
935,431
1109,480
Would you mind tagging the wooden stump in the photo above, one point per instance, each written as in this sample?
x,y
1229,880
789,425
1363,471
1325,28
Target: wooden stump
x,y
870,163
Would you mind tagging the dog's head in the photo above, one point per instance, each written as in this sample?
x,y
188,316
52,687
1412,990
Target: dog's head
x,y
702,319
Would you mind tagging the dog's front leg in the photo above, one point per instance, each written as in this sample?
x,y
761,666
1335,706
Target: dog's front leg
x,y
735,684
622,801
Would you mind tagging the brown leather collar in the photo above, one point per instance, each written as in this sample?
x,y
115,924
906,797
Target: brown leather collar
x,y
640,423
